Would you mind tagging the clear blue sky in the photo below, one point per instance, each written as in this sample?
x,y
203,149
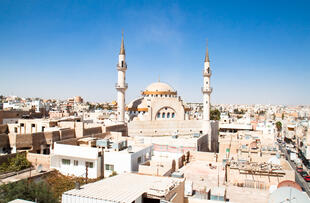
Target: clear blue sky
x,y
259,50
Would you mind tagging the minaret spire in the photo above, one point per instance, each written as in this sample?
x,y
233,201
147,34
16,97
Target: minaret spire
x,y
122,51
207,59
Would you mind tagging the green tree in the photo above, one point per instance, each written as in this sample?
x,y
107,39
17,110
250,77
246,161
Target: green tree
x,y
279,126
17,163
39,192
215,114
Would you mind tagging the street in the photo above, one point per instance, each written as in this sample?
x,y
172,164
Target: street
x,y
298,178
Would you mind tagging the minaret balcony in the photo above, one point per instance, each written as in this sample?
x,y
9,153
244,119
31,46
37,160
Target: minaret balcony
x,y
119,68
206,73
121,86
207,90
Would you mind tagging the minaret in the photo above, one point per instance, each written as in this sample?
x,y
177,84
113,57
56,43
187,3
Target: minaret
x,y
121,86
206,90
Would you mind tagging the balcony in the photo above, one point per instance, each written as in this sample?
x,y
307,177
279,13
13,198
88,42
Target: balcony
x,y
207,90
121,86
121,68
206,74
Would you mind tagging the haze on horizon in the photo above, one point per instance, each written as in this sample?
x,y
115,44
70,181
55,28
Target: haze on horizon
x,y
259,50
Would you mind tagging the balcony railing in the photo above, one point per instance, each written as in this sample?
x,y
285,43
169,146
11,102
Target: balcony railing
x,y
207,89
121,86
121,68
206,73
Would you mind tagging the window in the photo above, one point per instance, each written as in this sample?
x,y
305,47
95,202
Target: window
x,y
158,115
168,115
76,162
163,116
122,63
109,167
65,161
22,125
15,130
139,159
33,125
43,128
172,115
89,164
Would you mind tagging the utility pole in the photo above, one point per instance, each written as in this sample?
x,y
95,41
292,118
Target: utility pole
x,y
86,172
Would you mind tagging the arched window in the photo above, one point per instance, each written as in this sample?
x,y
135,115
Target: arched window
x,y
168,115
158,115
163,115
172,115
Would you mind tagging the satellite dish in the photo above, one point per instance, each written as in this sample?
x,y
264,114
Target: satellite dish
x,y
39,168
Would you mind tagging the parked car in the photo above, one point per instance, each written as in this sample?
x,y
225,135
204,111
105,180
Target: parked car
x,y
299,169
303,173
307,178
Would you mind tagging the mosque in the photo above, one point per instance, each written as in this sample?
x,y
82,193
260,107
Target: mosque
x,y
160,111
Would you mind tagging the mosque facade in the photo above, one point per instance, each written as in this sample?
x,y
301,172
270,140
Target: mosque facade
x,y
161,112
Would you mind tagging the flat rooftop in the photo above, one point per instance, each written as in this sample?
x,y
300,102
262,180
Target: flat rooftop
x,y
125,188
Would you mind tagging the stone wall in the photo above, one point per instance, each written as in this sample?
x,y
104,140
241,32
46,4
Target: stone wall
x,y
39,159
166,127
67,133
203,156
117,128
4,140
4,129
12,114
92,131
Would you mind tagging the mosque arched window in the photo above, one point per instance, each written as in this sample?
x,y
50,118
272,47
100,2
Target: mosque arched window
x,y
158,115
163,115
168,115
172,115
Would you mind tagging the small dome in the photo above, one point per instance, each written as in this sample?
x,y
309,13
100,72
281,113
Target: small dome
x,y
159,87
